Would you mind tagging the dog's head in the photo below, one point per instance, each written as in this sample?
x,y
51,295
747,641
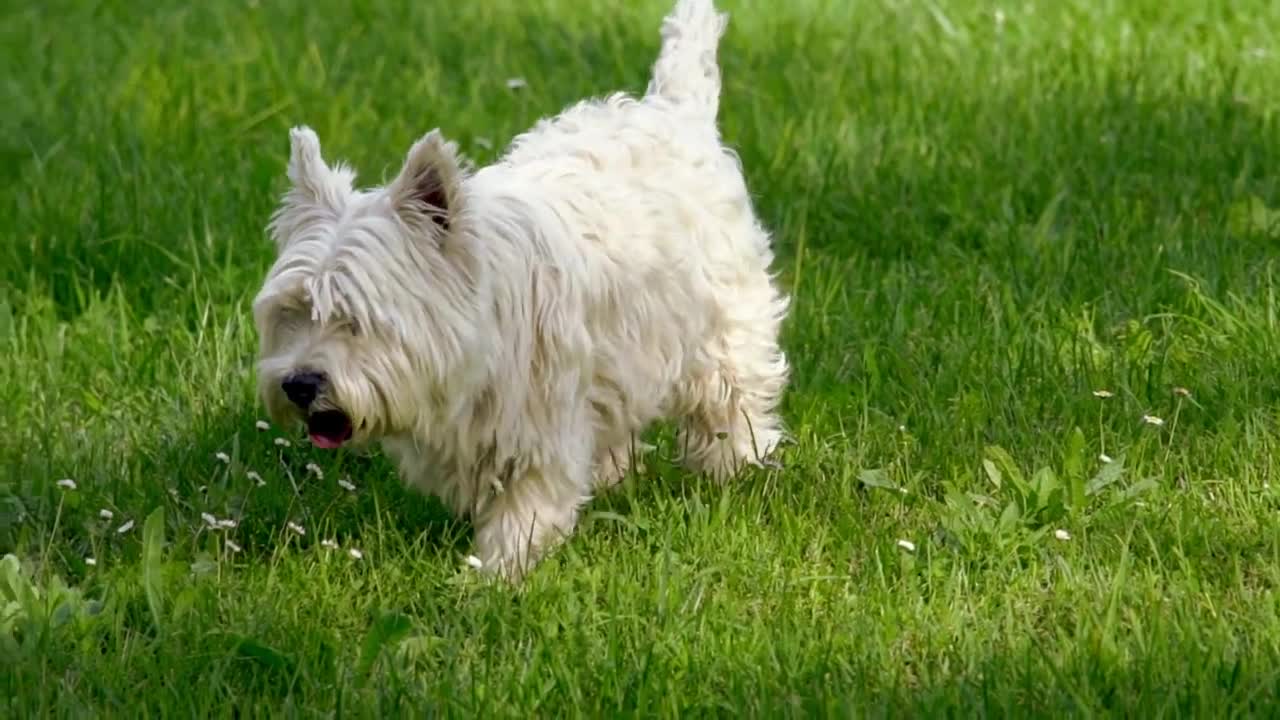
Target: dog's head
x,y
361,315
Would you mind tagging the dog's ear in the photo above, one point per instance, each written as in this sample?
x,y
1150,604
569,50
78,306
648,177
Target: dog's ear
x,y
316,191
313,180
427,189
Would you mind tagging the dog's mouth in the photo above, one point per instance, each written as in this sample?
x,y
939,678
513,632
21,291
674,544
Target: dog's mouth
x,y
329,429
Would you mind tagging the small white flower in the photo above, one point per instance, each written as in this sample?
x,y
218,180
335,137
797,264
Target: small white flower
x,y
231,545
314,469
223,458
296,527
262,425
106,514
347,485
329,544
474,562
227,524
517,83
1062,535
282,442
1153,420
1103,394
355,553
90,561
1182,392
907,545
210,520
999,17
1104,458
125,527
254,476
173,492
67,484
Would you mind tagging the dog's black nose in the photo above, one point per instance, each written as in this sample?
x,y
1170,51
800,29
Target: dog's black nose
x,y
302,387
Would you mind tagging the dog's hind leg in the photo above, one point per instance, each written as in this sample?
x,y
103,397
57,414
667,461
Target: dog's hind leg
x,y
732,418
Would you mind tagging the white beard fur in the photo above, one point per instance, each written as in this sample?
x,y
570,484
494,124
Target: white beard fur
x,y
506,333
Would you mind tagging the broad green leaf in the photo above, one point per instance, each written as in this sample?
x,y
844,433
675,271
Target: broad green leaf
x,y
1003,461
387,630
1010,517
204,565
1044,481
263,654
876,478
993,472
152,566
1139,488
1073,466
1107,475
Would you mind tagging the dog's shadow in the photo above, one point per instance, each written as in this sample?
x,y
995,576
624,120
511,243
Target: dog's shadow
x,y
230,485
272,490
280,493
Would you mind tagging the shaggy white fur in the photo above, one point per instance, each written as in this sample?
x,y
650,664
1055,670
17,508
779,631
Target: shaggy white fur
x,y
505,333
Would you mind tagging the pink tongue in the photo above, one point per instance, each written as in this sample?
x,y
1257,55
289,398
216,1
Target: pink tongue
x,y
327,443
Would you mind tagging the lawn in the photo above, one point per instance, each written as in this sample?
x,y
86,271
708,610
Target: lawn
x,y
1033,253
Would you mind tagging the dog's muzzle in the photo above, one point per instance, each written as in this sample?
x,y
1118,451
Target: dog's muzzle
x,y
302,388
328,428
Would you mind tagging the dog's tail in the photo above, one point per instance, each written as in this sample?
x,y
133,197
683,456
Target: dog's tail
x,y
686,72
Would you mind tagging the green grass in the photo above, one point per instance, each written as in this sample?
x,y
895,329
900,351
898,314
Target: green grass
x,y
982,222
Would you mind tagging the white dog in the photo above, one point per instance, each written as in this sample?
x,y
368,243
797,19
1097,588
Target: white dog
x,y
506,332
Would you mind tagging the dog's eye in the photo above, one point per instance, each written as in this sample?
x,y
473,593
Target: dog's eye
x,y
290,318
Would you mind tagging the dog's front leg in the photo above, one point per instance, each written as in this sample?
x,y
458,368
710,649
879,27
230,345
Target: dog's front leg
x,y
535,510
